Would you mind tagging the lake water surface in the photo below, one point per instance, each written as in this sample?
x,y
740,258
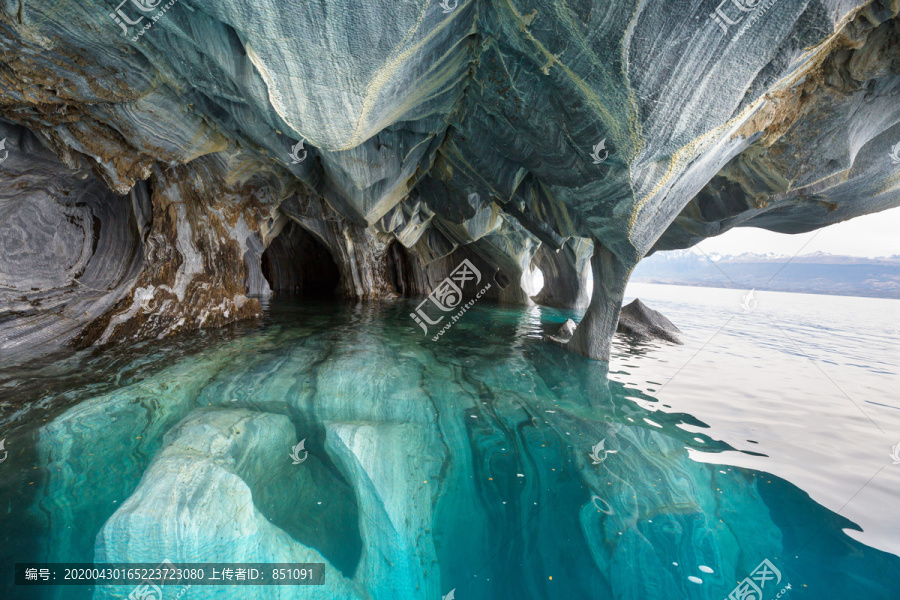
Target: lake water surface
x,y
490,463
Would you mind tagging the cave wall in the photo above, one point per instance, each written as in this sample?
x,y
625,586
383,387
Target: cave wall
x,y
359,252
515,134
70,249
567,274
194,273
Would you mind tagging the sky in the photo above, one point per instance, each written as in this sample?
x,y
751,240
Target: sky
x,y
870,236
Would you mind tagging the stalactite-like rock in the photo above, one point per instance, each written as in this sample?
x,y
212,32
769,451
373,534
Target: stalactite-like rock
x,y
822,143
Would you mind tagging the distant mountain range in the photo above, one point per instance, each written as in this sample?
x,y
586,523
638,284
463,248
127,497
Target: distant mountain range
x,y
817,273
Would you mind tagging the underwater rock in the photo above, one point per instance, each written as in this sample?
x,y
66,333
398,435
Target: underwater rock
x,y
564,334
128,422
213,493
630,521
637,319
390,467
623,128
485,468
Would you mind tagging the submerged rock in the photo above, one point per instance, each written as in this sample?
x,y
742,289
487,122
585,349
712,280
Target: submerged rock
x,y
639,320
429,469
394,470
214,492
565,333
635,319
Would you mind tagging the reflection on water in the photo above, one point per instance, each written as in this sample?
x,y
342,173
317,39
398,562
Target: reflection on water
x,y
466,464
809,382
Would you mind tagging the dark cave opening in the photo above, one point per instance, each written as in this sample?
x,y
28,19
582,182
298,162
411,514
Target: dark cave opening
x,y
298,264
400,269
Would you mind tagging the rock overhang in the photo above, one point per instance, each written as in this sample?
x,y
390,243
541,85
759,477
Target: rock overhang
x,y
498,126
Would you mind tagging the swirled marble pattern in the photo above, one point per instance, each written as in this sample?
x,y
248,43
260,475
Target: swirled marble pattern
x,y
509,129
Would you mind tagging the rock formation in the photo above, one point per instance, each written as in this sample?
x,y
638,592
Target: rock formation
x,y
425,480
214,494
638,320
153,153
564,333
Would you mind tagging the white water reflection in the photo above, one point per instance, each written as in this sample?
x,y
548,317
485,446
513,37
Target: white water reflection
x,y
826,426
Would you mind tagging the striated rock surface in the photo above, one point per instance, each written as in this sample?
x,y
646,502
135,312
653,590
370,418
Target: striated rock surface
x,y
215,492
405,137
432,465
70,249
390,467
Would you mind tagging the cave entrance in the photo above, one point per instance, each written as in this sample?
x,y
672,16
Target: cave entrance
x,y
298,264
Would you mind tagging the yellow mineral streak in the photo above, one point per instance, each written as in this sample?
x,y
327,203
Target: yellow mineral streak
x,y
404,50
593,99
272,88
811,59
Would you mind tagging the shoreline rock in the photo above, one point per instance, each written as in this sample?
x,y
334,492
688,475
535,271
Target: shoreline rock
x,y
638,319
635,319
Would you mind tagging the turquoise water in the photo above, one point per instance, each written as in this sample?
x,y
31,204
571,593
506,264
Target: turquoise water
x,y
465,464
